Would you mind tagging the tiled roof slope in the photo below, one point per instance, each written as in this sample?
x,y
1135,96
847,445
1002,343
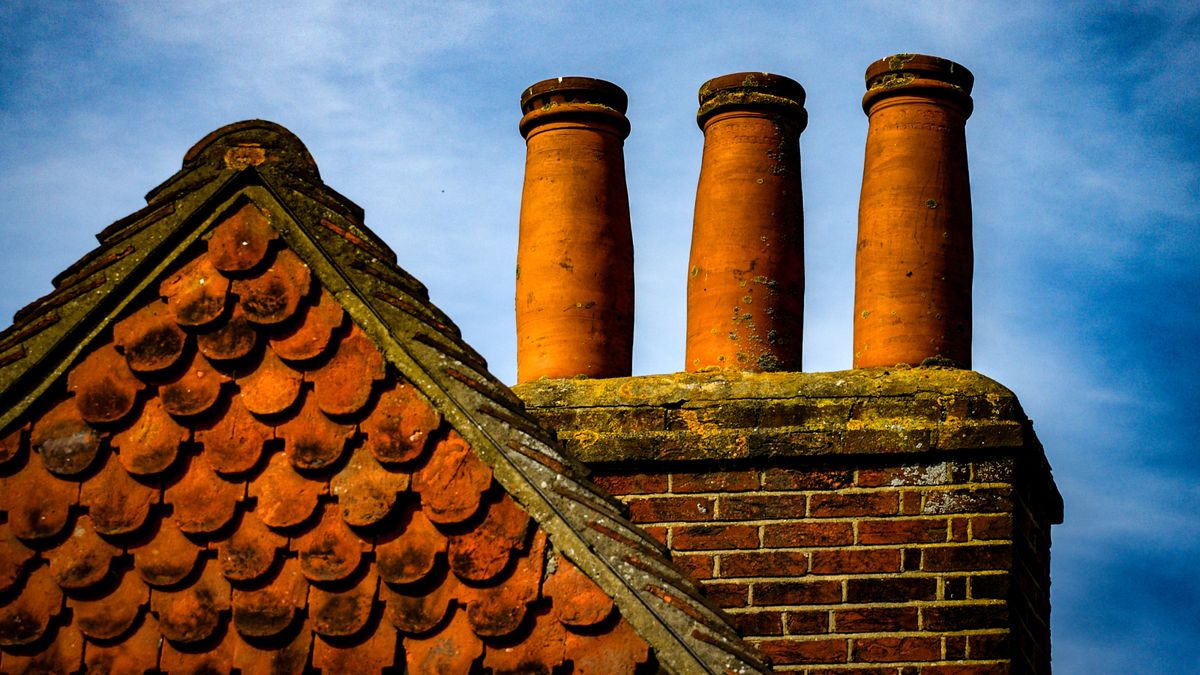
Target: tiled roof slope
x,y
237,435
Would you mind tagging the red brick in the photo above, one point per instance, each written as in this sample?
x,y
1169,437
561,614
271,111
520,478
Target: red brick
x,y
991,586
874,619
964,617
697,566
797,592
958,529
990,646
714,481
779,478
764,564
910,503
911,560
971,669
892,589
807,623
659,533
955,648
759,623
860,670
897,476
966,500
991,527
970,557
670,509
632,484
902,531
784,652
808,533
856,561
728,595
889,649
761,507
881,503
954,588
714,537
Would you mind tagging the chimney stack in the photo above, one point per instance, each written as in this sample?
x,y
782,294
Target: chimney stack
x,y
574,297
912,295
745,301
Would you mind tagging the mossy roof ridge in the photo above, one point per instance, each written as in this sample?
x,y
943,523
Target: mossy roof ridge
x,y
267,165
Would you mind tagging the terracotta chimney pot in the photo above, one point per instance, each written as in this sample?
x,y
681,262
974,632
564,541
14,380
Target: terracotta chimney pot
x,y
912,295
745,302
574,297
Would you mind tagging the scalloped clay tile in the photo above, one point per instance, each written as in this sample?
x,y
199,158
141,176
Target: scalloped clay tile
x,y
110,615
273,296
228,340
117,503
313,335
233,443
196,294
134,654
151,443
150,337
270,388
241,240
64,441
399,428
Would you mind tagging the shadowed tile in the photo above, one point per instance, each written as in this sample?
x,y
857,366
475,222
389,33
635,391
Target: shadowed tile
x,y
110,615
250,552
450,650
191,614
420,607
576,600
13,557
195,390
234,442
38,502
228,340
64,655
617,652
331,551
83,559
167,557
134,655
270,388
270,610
24,619
150,338
11,445
287,659
202,501
369,656
342,613
104,386
313,440
540,651
409,554
213,659
498,610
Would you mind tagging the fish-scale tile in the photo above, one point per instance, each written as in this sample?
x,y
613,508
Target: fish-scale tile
x,y
285,498
269,610
372,655
288,659
343,385
406,555
575,599
116,502
167,557
250,551
11,445
151,443
150,338
24,619
105,388
484,551
452,482
330,551
228,340
241,240
538,649
498,610
451,650
38,502
134,655
310,339
112,614
196,294
339,613
398,428
64,654
616,652
13,557
194,390
66,443
233,443
419,608
202,501
192,614
313,441
272,387
217,657
272,297
365,490
83,559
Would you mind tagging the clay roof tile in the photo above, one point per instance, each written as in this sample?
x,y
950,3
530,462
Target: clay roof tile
x,y
270,610
14,556
372,654
115,501
83,559
575,599
38,502
343,385
151,443
233,442
66,444
228,340
241,240
192,614
399,427
24,619
365,490
150,338
344,611
166,557
250,551
289,658
133,655
196,294
271,387
313,441
330,551
274,295
194,390
202,500
104,387
409,554
452,650
285,498
482,552
452,482
313,334
420,607
110,615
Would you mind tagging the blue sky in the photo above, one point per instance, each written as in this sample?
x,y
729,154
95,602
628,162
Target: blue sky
x,y
1085,184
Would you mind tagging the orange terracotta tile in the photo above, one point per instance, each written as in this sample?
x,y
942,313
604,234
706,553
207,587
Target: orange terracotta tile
x,y
150,444
11,445
104,386
250,551
65,442
270,388
541,649
167,557
150,338
192,614
241,240
83,559
269,610
452,482
132,656
195,390
451,650
24,618
344,612
196,294
313,441
13,557
576,600
38,502
343,385
234,442
372,655
112,614
483,552
202,501
365,490
617,652
64,654
331,551
313,335
420,607
228,340
498,610
115,501
216,657
399,426
285,498
272,297
407,555
287,659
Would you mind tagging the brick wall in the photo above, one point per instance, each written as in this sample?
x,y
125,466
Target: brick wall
x,y
876,528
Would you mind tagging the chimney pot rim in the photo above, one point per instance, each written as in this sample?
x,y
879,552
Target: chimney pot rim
x,y
760,91
575,89
919,67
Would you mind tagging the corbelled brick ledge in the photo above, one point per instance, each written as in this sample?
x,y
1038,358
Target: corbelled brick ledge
x,y
866,521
